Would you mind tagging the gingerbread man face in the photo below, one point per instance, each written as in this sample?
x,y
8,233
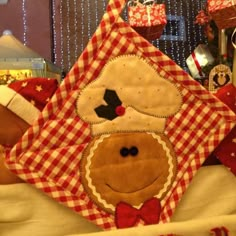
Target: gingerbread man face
x,y
129,158
130,167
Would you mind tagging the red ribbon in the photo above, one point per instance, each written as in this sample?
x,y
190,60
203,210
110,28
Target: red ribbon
x,y
220,231
202,18
197,63
127,216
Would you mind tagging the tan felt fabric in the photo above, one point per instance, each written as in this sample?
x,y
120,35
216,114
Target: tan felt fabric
x,y
6,176
139,86
11,127
109,177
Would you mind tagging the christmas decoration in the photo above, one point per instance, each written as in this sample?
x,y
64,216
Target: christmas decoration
x,y
217,41
26,98
153,114
223,12
147,19
202,18
219,76
18,61
199,58
226,151
75,25
66,170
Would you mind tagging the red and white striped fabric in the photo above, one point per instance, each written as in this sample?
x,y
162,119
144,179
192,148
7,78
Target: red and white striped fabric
x,y
49,154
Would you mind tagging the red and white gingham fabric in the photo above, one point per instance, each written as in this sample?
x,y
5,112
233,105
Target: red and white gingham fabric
x,y
48,155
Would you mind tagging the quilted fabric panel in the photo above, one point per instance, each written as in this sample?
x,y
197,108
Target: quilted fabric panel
x,y
61,152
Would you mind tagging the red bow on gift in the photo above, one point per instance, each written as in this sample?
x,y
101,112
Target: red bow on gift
x,y
202,18
127,216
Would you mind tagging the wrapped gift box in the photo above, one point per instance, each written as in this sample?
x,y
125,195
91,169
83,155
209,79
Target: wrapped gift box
x,y
148,20
223,12
199,58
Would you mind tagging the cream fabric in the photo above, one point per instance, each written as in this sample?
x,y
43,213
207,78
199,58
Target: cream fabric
x,y
26,211
188,228
209,202
212,192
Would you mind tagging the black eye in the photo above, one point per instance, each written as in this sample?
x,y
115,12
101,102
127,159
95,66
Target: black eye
x,y
133,151
124,152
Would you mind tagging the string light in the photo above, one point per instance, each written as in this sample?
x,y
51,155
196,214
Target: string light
x,y
96,13
82,24
194,38
175,42
89,19
76,29
68,53
24,22
188,30
165,38
104,4
62,35
86,17
157,43
183,34
180,44
199,7
55,59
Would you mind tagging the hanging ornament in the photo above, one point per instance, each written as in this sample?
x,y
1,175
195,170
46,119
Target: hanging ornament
x,y
202,18
219,76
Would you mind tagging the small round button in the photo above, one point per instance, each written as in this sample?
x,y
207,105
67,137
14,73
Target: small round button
x,y
120,110
124,152
133,151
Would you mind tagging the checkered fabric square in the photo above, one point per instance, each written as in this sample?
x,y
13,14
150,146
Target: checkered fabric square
x,y
49,154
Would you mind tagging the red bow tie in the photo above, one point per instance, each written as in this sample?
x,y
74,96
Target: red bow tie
x,y
127,216
220,231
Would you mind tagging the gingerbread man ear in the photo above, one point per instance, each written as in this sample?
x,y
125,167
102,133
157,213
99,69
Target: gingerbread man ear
x,y
136,84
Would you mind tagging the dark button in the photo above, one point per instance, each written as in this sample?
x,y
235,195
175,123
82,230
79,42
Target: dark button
x,y
124,152
133,151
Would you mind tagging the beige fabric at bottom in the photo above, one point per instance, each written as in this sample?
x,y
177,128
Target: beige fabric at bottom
x,y
212,192
209,202
25,211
